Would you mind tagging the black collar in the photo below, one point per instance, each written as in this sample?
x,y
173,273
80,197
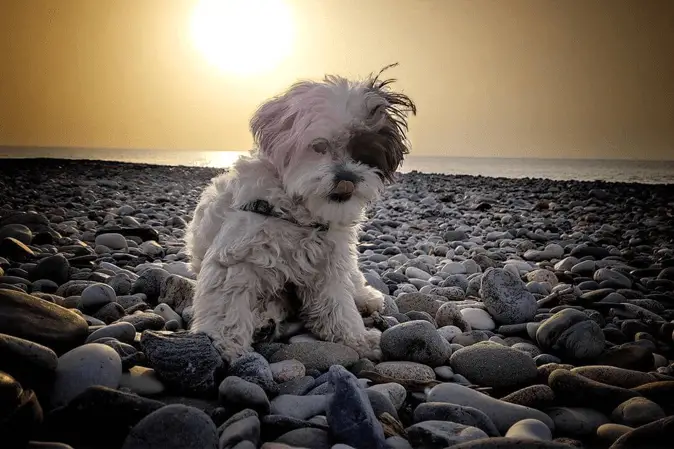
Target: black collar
x,y
263,207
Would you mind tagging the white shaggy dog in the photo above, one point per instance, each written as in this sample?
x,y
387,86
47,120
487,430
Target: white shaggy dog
x,y
277,234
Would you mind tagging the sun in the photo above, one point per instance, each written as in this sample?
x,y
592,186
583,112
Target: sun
x,y
243,37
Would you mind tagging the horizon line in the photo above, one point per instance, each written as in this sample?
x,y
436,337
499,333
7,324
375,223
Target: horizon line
x,y
102,148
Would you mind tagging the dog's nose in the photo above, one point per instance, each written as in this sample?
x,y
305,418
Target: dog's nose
x,y
344,188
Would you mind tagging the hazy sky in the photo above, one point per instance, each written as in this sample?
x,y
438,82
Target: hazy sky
x,y
564,78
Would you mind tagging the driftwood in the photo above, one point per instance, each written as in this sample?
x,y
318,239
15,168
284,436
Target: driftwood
x,y
553,298
392,427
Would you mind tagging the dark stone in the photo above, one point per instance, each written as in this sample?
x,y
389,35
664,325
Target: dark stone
x,y
183,361
14,250
350,415
575,390
55,268
658,434
273,426
631,356
174,426
144,233
95,412
469,416
254,368
145,321
40,321
32,364
309,438
20,412
661,392
110,313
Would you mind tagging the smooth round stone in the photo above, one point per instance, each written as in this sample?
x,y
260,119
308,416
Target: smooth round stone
x,y
124,332
287,370
502,414
576,422
112,240
584,267
542,276
449,332
506,297
511,443
174,426
96,296
319,355
636,412
616,278
576,390
392,390
572,335
416,273
439,434
300,407
31,364
534,396
612,375
144,321
657,434
527,348
478,319
531,429
20,412
310,438
632,356
609,433
493,365
469,416
450,315
82,367
406,371
470,338
454,268
151,248
422,302
444,373
17,231
351,410
239,394
415,341
142,381
244,431
34,319
165,311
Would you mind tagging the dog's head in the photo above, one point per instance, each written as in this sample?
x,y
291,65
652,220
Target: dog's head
x,y
335,143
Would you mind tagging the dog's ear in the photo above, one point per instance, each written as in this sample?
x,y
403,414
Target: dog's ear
x,y
269,122
397,106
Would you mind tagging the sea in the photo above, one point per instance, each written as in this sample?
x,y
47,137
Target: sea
x,y
639,171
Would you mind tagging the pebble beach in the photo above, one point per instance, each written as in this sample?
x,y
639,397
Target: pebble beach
x,y
520,313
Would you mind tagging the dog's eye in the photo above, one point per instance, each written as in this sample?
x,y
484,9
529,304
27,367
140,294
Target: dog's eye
x,y
320,146
376,109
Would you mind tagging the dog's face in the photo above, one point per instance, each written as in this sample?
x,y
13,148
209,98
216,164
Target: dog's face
x,y
334,143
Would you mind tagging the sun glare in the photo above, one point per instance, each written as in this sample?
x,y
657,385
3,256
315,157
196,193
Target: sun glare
x,y
243,37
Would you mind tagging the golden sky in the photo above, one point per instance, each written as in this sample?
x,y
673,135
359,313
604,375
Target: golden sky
x,y
547,78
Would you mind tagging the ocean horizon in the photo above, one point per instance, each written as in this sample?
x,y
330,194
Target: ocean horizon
x,y
612,170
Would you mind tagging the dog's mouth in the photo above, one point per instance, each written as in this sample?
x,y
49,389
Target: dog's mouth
x,y
343,191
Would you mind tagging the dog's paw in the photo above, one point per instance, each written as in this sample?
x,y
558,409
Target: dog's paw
x,y
227,350
368,345
369,300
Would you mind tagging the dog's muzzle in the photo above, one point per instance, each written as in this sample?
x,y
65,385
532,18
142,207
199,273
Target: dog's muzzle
x,y
345,185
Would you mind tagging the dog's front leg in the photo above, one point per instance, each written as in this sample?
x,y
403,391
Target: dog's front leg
x,y
331,314
368,299
222,306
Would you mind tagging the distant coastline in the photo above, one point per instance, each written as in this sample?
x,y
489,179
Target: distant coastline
x,y
613,170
